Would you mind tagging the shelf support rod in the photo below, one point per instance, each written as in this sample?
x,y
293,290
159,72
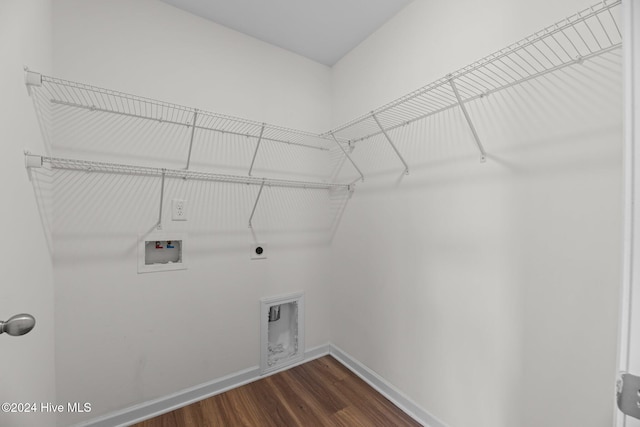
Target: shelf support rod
x,y
483,154
348,156
193,131
255,153
159,224
386,135
255,205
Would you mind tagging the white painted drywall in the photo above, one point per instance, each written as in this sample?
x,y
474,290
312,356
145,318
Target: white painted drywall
x,y
629,332
485,292
146,336
27,373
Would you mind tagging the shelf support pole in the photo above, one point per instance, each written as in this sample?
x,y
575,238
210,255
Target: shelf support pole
x,y
386,135
255,153
159,225
193,131
483,154
348,156
255,205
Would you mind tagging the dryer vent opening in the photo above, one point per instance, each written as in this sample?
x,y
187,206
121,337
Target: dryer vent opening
x,y
282,337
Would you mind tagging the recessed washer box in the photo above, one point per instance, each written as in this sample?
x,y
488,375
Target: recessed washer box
x,y
161,251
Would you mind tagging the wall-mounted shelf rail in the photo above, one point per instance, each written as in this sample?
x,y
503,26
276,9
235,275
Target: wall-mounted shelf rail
x,y
33,160
587,34
93,98
37,161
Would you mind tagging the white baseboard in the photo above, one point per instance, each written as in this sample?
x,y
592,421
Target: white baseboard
x,y
162,405
381,385
153,408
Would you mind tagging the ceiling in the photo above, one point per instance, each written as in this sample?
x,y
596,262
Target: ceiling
x,y
321,30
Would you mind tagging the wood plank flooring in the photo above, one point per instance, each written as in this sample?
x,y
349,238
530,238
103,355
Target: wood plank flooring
x,y
318,393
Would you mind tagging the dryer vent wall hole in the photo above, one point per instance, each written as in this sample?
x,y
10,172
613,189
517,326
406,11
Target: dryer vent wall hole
x,y
274,313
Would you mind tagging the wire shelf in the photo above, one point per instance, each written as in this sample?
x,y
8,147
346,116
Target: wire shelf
x,y
93,98
580,37
118,168
587,34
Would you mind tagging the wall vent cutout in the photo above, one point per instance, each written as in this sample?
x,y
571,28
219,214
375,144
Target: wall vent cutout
x,y
161,252
281,331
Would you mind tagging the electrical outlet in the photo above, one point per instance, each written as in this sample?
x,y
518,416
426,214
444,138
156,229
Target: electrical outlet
x,y
258,251
178,210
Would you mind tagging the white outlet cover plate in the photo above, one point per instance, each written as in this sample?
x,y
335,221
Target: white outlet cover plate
x,y
254,251
178,210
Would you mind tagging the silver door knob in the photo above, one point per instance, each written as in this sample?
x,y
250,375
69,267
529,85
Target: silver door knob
x,y
19,324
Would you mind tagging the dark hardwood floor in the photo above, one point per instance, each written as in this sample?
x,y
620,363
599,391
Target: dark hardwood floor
x,y
319,393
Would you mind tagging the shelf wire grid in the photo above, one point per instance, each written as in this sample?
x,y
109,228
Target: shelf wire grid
x,y
587,34
118,168
93,98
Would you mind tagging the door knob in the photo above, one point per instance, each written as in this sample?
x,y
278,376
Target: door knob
x,y
19,324
628,394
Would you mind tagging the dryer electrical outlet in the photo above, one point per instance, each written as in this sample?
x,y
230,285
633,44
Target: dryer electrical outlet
x,y
178,210
258,251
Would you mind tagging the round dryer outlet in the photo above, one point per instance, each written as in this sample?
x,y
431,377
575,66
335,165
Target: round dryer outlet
x,y
258,251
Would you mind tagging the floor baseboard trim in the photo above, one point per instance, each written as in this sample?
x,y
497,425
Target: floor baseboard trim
x,y
162,405
385,388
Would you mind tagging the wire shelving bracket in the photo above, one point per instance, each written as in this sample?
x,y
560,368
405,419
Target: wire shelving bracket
x,y
193,132
348,156
386,136
483,155
255,204
159,224
255,153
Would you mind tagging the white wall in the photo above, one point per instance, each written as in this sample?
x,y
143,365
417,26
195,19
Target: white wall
x,y
27,373
629,332
145,336
485,292
153,49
